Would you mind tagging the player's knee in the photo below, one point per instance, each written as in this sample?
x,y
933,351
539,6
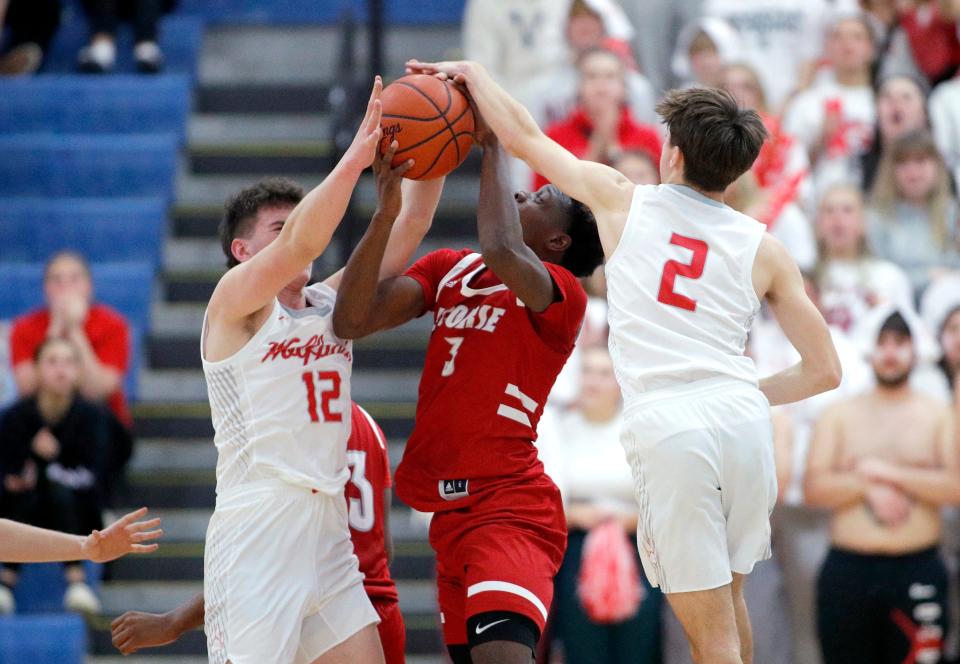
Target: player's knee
x,y
502,637
716,651
501,652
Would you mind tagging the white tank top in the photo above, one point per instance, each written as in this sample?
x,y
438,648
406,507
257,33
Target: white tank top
x,y
281,404
680,291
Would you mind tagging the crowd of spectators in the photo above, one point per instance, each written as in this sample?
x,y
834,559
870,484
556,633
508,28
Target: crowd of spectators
x,y
31,26
858,179
66,429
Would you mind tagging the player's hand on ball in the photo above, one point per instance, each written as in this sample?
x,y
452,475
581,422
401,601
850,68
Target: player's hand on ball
x,y
125,536
135,630
389,197
363,149
456,70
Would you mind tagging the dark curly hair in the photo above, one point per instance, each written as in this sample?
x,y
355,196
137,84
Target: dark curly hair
x,y
240,210
585,252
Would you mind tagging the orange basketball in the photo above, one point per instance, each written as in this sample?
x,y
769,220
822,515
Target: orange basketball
x,y
431,120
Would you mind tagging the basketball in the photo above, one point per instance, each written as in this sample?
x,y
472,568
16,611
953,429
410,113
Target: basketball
x,y
432,122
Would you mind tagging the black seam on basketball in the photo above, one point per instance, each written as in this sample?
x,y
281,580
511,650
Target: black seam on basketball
x,y
444,147
442,115
425,96
433,136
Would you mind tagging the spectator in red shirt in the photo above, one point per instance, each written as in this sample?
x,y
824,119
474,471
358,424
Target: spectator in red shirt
x,y
100,334
931,29
602,125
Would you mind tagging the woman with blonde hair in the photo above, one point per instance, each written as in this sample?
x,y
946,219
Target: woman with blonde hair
x,y
850,280
913,213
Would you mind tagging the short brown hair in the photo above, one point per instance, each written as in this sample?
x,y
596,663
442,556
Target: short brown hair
x,y
241,209
718,140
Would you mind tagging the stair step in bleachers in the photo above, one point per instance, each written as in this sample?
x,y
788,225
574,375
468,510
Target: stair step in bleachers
x,y
43,639
330,11
85,165
101,229
73,104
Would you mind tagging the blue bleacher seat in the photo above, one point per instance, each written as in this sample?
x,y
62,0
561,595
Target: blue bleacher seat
x,y
127,287
43,639
408,12
180,38
102,229
41,586
77,104
78,165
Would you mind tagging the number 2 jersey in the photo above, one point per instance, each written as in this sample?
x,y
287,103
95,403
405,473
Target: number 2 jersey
x,y
281,404
680,291
491,362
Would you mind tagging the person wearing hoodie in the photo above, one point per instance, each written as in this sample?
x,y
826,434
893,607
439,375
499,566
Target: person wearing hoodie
x,y
883,463
703,50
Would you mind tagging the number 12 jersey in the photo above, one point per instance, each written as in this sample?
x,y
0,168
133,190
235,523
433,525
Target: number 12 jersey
x,y
491,362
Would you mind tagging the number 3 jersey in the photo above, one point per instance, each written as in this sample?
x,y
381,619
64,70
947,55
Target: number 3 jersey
x,y
281,404
491,362
680,291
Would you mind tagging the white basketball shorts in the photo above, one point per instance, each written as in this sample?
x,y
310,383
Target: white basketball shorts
x,y
281,581
702,462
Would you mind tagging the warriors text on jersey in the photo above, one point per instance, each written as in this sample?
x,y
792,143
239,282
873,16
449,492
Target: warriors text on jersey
x,y
491,363
680,291
281,404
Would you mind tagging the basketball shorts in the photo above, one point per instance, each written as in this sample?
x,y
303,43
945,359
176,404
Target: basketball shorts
x,y
499,554
876,609
281,581
393,634
702,462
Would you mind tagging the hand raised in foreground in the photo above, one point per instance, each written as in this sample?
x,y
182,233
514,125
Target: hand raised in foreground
x,y
363,149
389,197
125,536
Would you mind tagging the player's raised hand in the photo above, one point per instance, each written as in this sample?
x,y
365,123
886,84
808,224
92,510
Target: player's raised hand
x,y
125,536
456,70
363,149
389,197
135,630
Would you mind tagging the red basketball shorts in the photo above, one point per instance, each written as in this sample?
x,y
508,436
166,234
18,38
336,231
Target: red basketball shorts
x,y
499,554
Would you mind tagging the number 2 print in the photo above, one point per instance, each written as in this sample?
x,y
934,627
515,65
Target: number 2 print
x,y
673,269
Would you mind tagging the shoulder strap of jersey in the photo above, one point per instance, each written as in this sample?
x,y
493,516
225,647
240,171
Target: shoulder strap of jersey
x,y
461,265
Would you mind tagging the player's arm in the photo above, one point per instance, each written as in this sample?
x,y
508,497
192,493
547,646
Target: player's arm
x,y
825,486
776,275
604,190
365,303
20,543
135,630
501,236
939,486
249,287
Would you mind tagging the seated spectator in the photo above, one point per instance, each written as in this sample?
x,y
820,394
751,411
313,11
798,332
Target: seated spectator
x,y
703,49
782,166
638,166
894,56
901,108
782,39
783,218
835,118
931,29
850,280
945,118
101,337
940,308
950,343
49,459
31,25
884,463
913,218
602,125
592,25
581,452
101,54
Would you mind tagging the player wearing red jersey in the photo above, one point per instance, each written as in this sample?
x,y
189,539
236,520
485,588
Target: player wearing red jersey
x,y
505,322
368,497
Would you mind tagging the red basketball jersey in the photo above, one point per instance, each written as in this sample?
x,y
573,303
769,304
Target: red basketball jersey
x,y
491,362
369,478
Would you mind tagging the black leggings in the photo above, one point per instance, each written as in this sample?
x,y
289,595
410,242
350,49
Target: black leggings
x,y
882,609
144,14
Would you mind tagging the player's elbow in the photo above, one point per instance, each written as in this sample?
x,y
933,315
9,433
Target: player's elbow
x,y
349,325
831,375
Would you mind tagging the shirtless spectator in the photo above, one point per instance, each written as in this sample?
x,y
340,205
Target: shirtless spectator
x,y
100,335
884,463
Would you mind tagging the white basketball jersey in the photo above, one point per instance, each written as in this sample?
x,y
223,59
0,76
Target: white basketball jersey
x,y
680,291
281,404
